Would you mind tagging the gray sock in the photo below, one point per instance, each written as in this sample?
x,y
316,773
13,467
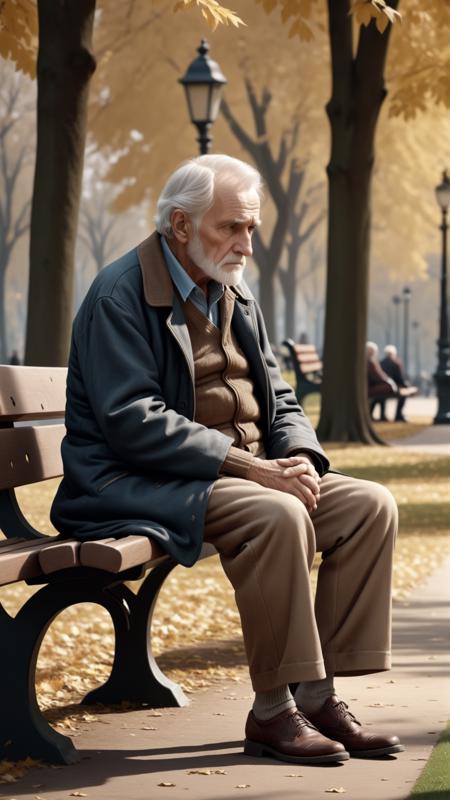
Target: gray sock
x,y
311,695
269,704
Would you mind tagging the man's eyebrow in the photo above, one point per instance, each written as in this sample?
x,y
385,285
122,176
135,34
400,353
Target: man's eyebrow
x,y
242,221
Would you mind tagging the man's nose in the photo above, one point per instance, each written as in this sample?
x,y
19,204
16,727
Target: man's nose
x,y
244,244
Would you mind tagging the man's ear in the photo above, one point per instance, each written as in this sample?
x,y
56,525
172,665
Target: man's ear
x,y
181,225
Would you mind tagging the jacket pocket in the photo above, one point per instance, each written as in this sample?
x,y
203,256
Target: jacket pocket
x,y
112,480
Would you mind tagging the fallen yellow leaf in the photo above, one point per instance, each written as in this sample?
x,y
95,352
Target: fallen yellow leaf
x,y
199,772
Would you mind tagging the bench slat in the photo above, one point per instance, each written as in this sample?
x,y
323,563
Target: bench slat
x,y
304,348
22,563
15,545
117,555
30,454
32,392
62,555
6,543
310,366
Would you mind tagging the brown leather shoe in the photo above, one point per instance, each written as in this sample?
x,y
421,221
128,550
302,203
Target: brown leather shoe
x,y
337,722
290,737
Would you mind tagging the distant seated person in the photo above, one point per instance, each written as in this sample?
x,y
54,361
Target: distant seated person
x,y
379,384
392,365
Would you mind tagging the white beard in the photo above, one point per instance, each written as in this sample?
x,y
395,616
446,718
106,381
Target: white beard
x,y
230,276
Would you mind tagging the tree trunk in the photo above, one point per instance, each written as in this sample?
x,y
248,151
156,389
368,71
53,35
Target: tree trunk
x,y
3,341
64,68
357,96
290,329
288,279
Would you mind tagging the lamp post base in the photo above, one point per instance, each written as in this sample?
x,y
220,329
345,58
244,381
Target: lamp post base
x,y
442,380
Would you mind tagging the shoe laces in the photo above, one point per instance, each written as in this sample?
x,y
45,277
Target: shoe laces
x,y
301,721
343,709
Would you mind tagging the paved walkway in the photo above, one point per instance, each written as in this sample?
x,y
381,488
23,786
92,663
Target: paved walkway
x,y
130,755
434,439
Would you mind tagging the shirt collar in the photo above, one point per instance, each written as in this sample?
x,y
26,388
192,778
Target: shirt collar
x,y
181,279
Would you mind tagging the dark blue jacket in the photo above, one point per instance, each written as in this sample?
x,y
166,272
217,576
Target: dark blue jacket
x,y
135,462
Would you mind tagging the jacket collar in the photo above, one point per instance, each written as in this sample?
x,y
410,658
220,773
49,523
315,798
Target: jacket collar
x,y
158,286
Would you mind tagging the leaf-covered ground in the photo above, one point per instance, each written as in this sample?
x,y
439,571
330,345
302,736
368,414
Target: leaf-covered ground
x,y
197,629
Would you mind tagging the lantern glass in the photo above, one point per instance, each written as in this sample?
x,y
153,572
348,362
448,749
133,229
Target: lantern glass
x,y
443,192
198,101
216,97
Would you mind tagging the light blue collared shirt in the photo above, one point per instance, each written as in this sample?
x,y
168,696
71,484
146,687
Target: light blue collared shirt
x,y
209,306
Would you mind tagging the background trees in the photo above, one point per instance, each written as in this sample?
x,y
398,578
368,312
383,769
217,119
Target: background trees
x,y
358,66
137,48
15,156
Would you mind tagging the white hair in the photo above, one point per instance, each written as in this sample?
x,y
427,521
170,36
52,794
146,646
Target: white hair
x,y
191,187
390,350
371,348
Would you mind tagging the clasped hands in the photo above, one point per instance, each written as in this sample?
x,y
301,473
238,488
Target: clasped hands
x,y
295,475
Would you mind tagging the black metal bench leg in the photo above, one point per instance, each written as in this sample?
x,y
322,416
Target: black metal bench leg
x,y
23,730
135,674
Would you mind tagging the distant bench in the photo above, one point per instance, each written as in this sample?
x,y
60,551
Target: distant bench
x,y
307,366
74,572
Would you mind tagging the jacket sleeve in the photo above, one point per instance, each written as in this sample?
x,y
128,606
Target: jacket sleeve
x,y
120,376
291,431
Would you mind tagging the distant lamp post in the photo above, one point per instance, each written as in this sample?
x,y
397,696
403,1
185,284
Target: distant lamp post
x,y
442,374
203,83
396,300
415,324
406,298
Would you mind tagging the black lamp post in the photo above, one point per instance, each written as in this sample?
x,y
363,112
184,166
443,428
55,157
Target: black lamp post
x,y
442,374
415,324
406,298
396,300
203,83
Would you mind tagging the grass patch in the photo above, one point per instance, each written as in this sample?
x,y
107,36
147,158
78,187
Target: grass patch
x,y
388,431
434,782
377,463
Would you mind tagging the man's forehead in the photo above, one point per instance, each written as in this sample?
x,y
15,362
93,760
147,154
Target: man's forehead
x,y
236,205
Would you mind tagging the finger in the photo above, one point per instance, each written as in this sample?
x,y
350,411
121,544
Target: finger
x,y
296,491
297,469
292,460
311,483
309,497
301,469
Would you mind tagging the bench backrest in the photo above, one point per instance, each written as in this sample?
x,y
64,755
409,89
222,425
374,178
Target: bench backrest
x,y
305,356
308,358
31,453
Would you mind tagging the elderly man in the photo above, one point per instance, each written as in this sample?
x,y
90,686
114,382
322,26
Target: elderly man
x,y
180,427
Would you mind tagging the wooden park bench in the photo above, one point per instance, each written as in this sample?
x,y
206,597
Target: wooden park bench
x,y
307,366
32,401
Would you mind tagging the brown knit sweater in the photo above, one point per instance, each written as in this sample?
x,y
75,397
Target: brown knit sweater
x,y
224,395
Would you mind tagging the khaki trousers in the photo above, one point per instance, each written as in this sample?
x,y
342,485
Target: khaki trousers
x,y
267,541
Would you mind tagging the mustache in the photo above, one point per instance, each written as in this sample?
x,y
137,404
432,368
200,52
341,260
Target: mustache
x,y
240,263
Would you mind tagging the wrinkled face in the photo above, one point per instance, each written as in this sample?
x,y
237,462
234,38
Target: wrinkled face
x,y
224,238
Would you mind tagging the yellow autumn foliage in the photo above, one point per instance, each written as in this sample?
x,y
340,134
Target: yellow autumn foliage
x,y
19,33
